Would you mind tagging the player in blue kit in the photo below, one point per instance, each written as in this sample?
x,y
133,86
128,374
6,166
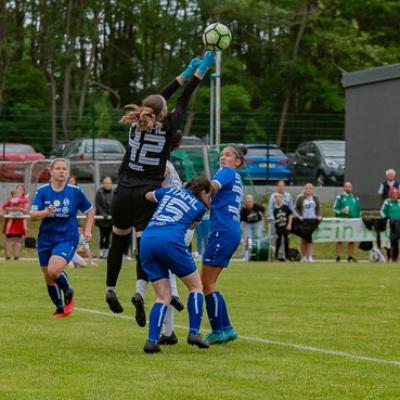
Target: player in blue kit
x,y
57,204
163,249
223,240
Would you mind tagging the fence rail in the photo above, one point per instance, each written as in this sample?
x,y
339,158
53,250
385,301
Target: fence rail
x,y
34,126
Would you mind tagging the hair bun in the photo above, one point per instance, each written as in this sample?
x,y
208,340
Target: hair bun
x,y
242,148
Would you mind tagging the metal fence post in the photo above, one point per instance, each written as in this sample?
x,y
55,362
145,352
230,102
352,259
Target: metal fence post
x,y
28,166
93,121
206,162
270,238
267,128
96,175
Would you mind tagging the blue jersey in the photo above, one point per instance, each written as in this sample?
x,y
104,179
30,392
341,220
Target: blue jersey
x,y
226,205
177,209
62,225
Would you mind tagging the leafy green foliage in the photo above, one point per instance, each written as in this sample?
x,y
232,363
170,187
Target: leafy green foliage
x,y
25,84
140,45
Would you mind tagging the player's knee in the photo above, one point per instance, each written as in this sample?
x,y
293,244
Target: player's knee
x,y
208,287
53,274
164,297
47,276
196,288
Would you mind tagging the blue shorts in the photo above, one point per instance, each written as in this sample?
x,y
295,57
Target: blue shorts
x,y
158,255
66,250
220,248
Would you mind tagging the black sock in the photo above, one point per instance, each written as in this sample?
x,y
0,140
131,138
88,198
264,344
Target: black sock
x,y
140,274
114,259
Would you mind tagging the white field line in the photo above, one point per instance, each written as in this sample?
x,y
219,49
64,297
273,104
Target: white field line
x,y
302,347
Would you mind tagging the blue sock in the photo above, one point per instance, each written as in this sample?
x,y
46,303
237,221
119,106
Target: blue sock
x,y
195,309
55,295
157,315
226,323
62,282
214,312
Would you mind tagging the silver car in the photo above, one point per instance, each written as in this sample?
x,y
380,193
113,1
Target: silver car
x,y
82,152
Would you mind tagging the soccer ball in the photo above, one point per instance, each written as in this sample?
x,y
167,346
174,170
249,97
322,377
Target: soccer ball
x,y
217,37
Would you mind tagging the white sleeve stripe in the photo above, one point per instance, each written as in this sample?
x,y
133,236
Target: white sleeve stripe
x,y
219,183
85,212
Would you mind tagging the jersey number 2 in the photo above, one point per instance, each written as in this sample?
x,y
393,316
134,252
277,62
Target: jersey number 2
x,y
151,144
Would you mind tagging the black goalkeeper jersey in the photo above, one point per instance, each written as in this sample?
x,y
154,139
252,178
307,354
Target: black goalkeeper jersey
x,y
145,159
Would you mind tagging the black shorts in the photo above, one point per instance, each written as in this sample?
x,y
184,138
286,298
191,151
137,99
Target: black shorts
x,y
130,207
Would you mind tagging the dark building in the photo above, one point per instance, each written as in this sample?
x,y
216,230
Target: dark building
x,y
372,129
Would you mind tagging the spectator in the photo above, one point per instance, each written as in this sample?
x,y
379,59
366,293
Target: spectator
x,y
287,199
283,217
347,206
309,216
72,180
390,183
13,202
383,190
391,210
103,203
252,218
14,228
24,199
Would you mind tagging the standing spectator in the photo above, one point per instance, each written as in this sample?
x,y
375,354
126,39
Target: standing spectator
x,y
252,218
13,205
283,217
384,190
103,203
14,228
287,199
347,206
309,216
388,184
391,210
72,180
25,200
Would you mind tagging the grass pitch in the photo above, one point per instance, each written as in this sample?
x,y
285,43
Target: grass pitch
x,y
308,331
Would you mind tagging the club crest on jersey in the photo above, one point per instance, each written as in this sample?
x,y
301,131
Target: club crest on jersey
x,y
66,202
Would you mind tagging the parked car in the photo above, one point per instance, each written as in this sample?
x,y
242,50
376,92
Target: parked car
x,y
16,155
191,141
104,150
267,163
60,146
321,162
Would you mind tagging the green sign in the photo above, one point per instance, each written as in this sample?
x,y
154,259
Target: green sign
x,y
345,230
